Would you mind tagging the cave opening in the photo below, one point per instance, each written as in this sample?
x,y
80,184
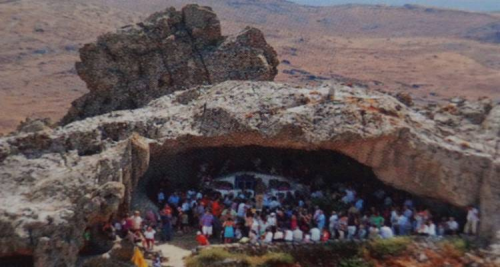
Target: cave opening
x,y
325,170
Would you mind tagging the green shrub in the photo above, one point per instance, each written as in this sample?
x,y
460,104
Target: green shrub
x,y
208,257
382,248
214,256
354,262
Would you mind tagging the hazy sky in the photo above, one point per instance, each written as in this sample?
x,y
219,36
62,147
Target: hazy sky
x,y
475,5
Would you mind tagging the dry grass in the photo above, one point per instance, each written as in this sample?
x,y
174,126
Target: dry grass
x,y
385,248
454,248
214,256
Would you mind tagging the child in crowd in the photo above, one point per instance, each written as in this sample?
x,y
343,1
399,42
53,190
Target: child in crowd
x,y
228,230
149,238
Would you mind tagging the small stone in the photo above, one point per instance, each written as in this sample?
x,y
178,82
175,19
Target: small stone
x,y
422,257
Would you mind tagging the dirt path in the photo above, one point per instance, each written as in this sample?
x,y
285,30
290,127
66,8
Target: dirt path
x,y
174,254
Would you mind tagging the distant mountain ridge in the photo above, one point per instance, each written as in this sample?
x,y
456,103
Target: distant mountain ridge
x,y
466,5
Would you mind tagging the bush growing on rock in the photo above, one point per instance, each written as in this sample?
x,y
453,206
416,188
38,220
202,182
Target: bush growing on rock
x,y
221,257
382,248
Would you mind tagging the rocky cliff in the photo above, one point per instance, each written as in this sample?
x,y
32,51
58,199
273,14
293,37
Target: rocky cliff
x,y
56,182
171,50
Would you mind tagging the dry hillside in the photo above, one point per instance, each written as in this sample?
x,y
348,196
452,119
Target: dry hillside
x,y
431,53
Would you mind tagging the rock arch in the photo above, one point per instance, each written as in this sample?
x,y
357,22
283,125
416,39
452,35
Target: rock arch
x,y
58,181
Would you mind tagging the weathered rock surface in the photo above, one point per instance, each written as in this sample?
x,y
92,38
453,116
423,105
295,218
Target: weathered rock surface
x,y
171,50
34,125
57,181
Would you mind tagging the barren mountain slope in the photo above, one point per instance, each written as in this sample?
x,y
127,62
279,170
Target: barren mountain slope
x,y
421,50
38,48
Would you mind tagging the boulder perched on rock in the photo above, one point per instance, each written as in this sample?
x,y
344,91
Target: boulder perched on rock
x,y
57,182
171,50
34,125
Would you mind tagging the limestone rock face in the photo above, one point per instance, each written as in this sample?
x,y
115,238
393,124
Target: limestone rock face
x,y
56,182
171,50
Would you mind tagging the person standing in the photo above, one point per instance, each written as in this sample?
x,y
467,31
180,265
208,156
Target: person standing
x,y
136,222
332,226
321,220
342,226
472,221
228,230
207,222
166,230
351,227
260,190
161,198
217,208
403,224
149,238
174,200
242,208
294,224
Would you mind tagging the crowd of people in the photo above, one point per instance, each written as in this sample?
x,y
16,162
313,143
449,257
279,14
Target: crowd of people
x,y
289,218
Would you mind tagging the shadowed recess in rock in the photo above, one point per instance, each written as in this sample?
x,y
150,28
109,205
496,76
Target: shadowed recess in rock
x,y
17,261
316,169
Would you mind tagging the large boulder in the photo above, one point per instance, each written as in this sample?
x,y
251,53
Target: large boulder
x,y
171,50
56,182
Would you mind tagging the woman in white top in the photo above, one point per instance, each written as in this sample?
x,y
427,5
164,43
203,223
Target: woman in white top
x,y
271,220
288,235
269,236
430,228
298,235
307,238
254,238
255,225
315,234
149,241
279,236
